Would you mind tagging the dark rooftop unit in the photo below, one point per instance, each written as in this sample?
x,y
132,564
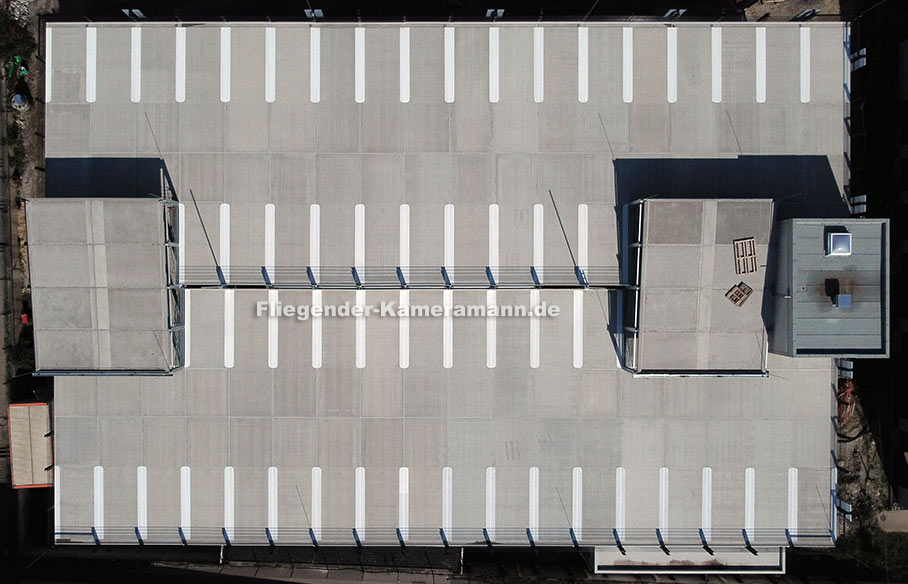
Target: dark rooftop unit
x,y
831,293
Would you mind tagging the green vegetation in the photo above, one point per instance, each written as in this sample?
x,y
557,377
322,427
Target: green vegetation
x,y
14,39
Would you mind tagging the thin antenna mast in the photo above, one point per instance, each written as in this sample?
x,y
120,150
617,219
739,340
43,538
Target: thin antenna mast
x,y
217,266
577,271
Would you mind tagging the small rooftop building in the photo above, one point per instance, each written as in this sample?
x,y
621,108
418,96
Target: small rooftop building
x,y
702,273
99,270
831,294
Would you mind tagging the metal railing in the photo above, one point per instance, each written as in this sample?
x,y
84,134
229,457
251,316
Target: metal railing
x,y
687,538
401,278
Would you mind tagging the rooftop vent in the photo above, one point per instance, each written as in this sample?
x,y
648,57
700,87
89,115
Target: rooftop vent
x,y
838,244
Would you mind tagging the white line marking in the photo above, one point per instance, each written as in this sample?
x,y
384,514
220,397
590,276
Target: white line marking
x,y
269,240
717,64
793,502
135,65
405,64
58,515
181,241
404,330
491,332
706,503
538,64
449,64
583,235
578,329
314,238
404,264
404,261
142,500
491,325
359,64
577,502
627,69
663,498
538,247
316,505
48,63
225,64
361,330
180,69
490,502
761,64
359,520
98,522
315,65
359,261
447,497
493,239
448,329
493,64
91,63
538,262
403,504
270,63
534,330
359,238
314,259
619,501
273,336
228,328
224,239
583,64
672,63
228,501
272,501
317,329
185,501
533,523
805,64
187,320
749,489
449,235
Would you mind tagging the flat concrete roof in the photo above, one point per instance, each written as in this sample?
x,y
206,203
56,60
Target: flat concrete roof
x,y
490,121
97,283
819,326
688,266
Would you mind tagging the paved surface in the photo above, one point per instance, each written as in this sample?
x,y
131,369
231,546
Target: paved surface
x,y
688,265
222,136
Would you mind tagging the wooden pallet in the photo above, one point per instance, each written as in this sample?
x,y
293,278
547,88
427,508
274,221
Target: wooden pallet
x,y
745,256
739,293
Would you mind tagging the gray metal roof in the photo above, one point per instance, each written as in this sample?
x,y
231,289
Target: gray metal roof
x,y
819,326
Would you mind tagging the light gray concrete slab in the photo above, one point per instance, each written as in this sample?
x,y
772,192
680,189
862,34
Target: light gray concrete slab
x,y
203,70
113,65
68,71
164,496
158,78
650,55
120,495
121,440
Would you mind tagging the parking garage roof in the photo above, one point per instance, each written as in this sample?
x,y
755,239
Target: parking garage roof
x,y
429,145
